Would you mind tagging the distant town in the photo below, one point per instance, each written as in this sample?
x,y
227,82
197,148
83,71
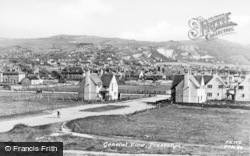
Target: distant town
x,y
26,70
99,95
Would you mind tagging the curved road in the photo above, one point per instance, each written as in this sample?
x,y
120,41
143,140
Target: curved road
x,y
75,113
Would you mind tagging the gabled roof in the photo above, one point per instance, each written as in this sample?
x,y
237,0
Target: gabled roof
x,y
196,83
106,80
206,78
176,80
32,77
247,77
12,73
221,80
94,77
136,74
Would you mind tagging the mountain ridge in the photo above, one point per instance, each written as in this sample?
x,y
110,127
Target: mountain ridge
x,y
215,50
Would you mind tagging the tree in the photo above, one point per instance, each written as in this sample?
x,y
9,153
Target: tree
x,y
57,74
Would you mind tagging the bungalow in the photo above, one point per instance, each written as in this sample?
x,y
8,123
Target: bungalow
x,y
187,89
242,91
110,87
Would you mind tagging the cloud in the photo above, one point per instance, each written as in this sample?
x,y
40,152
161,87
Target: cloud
x,y
31,18
86,7
162,31
241,20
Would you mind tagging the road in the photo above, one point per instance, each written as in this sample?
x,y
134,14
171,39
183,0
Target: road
x,y
76,112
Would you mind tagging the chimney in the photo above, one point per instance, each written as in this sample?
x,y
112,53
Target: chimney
x,y
202,82
88,73
101,73
87,88
195,72
186,79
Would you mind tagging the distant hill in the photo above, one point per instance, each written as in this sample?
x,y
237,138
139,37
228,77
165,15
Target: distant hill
x,y
216,50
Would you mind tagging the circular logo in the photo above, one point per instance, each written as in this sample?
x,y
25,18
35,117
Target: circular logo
x,y
7,148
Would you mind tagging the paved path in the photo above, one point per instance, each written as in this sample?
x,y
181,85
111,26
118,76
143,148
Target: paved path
x,y
75,113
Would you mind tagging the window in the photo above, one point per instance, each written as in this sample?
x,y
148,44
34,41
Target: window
x,y
112,87
220,86
218,94
209,94
243,95
209,86
241,87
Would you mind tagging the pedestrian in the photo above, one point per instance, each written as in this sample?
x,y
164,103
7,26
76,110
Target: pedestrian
x,y
58,113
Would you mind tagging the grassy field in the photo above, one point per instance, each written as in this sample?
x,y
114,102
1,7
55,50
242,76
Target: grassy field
x,y
122,89
143,89
26,103
68,88
16,104
104,108
176,124
173,123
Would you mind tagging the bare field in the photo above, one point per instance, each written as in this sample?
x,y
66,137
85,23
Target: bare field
x,y
26,103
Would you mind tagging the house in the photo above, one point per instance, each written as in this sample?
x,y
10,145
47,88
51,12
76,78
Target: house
x,y
96,87
216,89
73,73
134,75
154,75
31,80
230,80
12,77
110,87
242,91
90,86
187,89
176,80
165,82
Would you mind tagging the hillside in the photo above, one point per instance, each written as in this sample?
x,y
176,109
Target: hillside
x,y
215,51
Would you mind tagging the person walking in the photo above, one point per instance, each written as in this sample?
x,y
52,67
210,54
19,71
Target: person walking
x,y
58,113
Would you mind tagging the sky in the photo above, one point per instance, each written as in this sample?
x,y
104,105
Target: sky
x,y
149,20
